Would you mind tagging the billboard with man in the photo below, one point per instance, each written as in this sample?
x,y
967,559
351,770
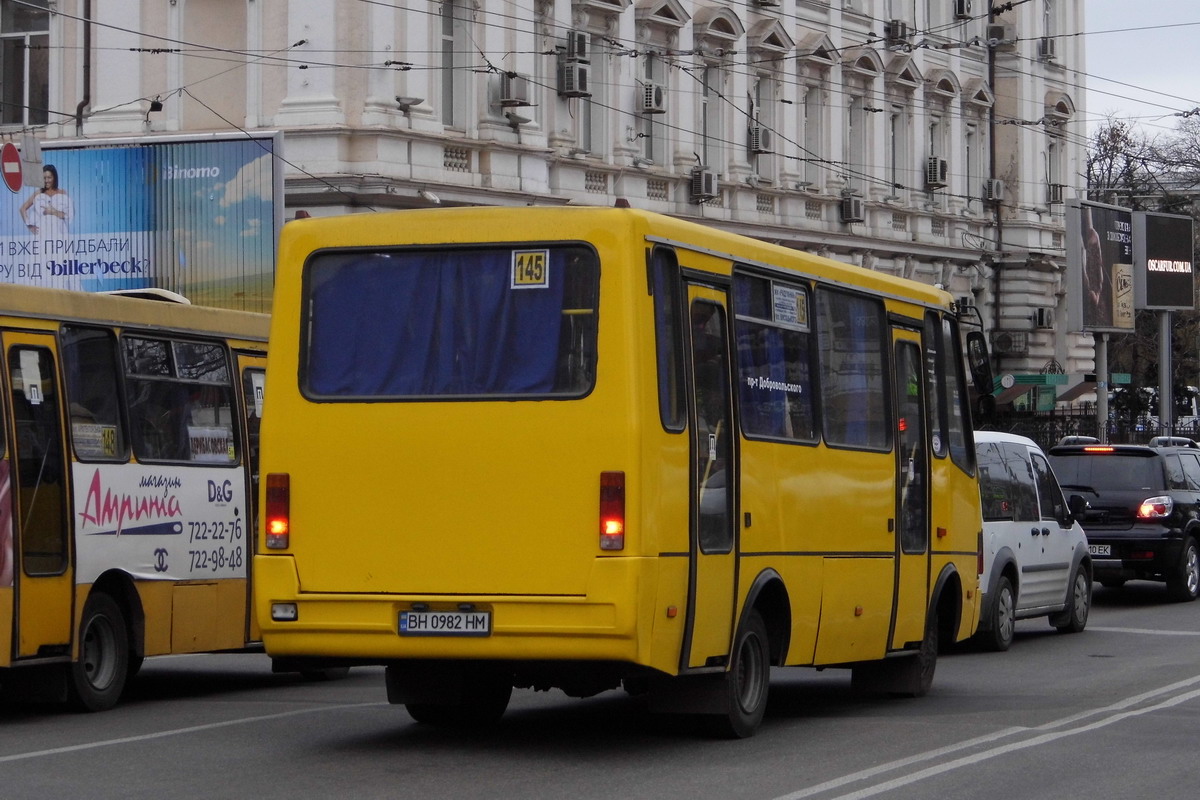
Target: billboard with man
x,y
1100,261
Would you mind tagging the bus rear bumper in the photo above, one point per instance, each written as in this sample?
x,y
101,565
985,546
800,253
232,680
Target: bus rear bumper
x,y
366,627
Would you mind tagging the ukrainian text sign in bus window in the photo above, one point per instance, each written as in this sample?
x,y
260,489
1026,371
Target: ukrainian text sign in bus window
x,y
89,359
451,322
774,359
850,348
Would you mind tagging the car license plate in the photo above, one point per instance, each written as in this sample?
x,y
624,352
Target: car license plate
x,y
445,623
1100,549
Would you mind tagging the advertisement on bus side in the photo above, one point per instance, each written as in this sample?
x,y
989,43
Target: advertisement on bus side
x,y
160,522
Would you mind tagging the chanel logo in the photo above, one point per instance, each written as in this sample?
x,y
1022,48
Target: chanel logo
x,y
160,560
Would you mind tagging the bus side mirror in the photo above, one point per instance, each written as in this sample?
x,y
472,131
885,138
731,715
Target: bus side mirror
x,y
979,362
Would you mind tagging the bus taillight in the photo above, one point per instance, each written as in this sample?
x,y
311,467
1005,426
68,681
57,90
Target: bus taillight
x,y
278,507
612,510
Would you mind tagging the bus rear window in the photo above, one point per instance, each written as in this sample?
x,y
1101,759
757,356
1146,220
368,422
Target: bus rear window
x,y
512,321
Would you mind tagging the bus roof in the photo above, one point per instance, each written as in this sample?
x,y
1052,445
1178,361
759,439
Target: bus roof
x,y
442,226
72,306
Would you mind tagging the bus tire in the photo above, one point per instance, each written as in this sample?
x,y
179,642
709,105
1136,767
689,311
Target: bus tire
x,y
98,676
925,662
747,682
481,701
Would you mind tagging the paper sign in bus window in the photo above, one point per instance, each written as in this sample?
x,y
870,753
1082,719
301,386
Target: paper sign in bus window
x,y
530,269
789,305
31,376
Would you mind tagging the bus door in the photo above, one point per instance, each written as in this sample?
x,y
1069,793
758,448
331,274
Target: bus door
x,y
713,558
252,368
912,492
42,575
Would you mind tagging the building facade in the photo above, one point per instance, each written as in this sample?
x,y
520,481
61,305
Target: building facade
x,y
923,138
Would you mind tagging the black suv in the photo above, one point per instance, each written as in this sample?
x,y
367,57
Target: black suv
x,y
1144,520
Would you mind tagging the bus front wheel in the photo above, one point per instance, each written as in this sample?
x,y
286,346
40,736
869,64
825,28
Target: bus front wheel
x,y
98,676
747,682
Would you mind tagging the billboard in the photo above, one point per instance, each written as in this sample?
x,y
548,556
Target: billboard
x,y
196,215
1165,275
1100,294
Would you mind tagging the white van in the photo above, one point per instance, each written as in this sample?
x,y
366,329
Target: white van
x,y
1035,555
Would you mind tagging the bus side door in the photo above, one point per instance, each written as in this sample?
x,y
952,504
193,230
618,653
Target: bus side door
x,y
713,561
252,368
42,570
912,492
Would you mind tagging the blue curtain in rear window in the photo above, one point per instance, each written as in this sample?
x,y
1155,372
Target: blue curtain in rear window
x,y
432,323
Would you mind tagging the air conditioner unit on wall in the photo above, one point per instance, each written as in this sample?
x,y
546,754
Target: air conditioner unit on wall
x,y
703,184
573,79
1001,36
654,98
1010,343
514,90
1046,48
962,9
759,140
1043,318
852,209
577,45
993,190
936,172
1054,193
895,31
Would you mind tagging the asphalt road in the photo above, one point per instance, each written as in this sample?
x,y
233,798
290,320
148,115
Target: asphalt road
x,y
1109,713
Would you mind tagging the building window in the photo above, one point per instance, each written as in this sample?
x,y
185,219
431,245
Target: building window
x,y
456,50
762,117
711,133
814,144
24,63
856,143
592,119
897,150
651,127
971,165
1049,18
1054,172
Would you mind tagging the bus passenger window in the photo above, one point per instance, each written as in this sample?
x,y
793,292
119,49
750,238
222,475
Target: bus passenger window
x,y
774,359
89,357
853,386
180,401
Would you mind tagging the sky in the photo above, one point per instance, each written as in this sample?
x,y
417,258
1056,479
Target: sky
x,y
1148,68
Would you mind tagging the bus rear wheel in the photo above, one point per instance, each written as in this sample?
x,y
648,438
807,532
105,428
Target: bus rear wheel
x,y
747,682
98,676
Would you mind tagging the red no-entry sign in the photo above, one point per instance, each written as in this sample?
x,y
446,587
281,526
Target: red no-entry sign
x,y
10,165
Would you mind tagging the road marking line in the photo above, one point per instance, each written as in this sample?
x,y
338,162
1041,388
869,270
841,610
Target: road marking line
x,y
891,766
1146,631
1013,747
177,732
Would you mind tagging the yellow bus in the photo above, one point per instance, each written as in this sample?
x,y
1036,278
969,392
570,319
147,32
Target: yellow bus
x,y
128,449
586,448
